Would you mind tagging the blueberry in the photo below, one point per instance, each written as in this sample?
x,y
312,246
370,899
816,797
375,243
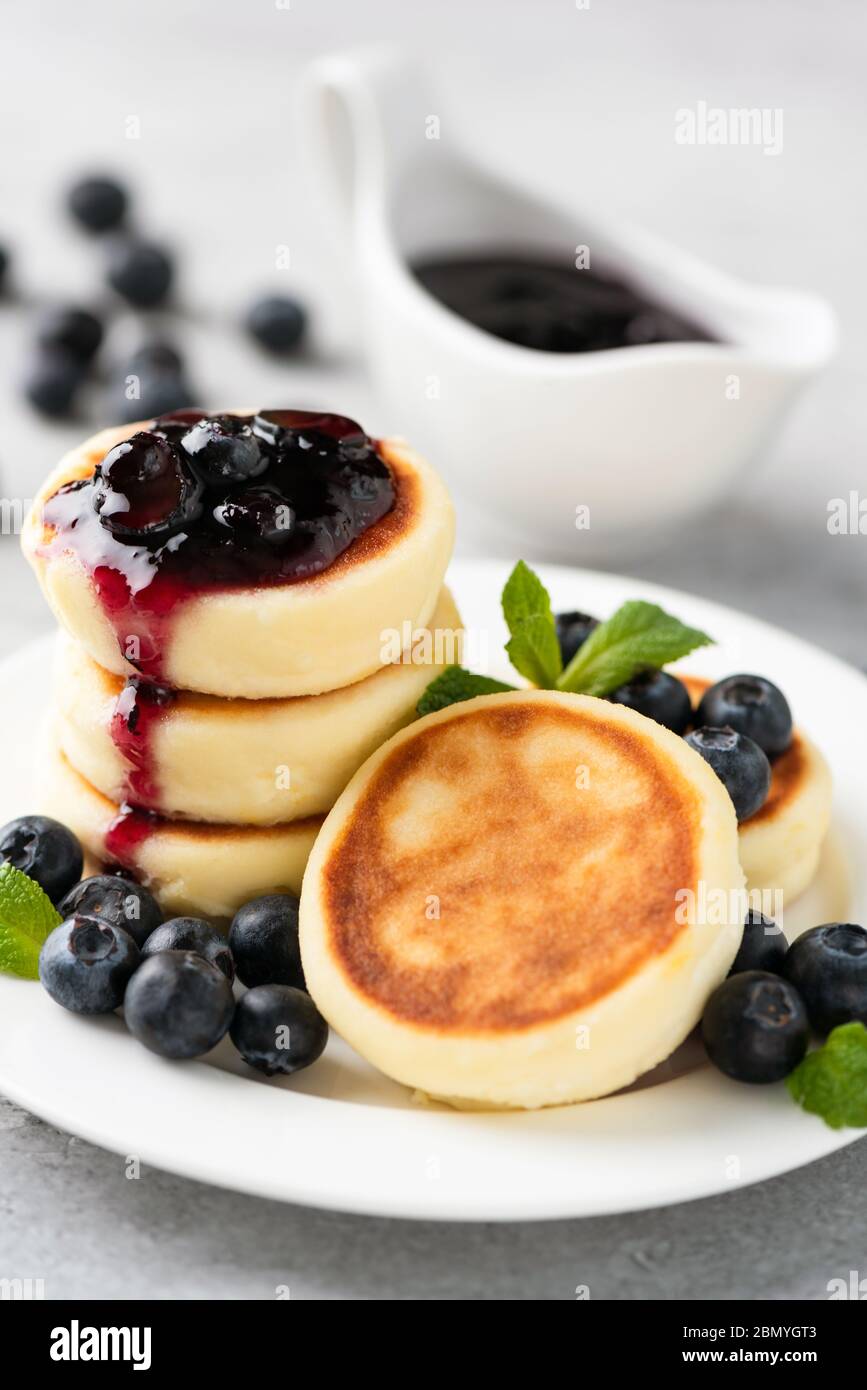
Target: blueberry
x,y
739,763
97,203
155,356
51,383
70,330
828,965
278,1029
117,901
659,696
141,272
158,393
314,431
573,629
144,490
85,964
257,514
43,849
263,939
763,946
223,449
192,934
750,705
178,1004
755,1027
277,322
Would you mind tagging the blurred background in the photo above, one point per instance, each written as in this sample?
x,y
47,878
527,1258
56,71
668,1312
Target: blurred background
x,y
191,107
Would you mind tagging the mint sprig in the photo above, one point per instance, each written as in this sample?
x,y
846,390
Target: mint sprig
x,y
532,648
637,637
27,915
454,685
832,1082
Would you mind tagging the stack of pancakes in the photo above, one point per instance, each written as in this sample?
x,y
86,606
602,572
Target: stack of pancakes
x,y
276,697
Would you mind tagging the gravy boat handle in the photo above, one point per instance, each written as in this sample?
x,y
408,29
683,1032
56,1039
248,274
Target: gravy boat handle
x,y
362,117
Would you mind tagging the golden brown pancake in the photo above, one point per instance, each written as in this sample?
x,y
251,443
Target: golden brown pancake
x,y
245,762
192,867
299,638
505,872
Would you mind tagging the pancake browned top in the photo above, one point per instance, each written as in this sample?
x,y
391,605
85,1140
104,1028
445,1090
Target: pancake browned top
x,y
787,771
510,865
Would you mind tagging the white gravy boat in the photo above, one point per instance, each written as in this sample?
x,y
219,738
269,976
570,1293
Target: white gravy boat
x,y
640,437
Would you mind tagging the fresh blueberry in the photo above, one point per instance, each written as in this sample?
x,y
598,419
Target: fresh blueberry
x,y
257,514
155,356
278,1029
573,629
750,705
141,272
178,1004
70,330
144,490
277,322
659,696
192,934
98,204
117,901
263,939
739,763
763,946
755,1027
51,382
828,965
85,964
43,849
157,393
223,449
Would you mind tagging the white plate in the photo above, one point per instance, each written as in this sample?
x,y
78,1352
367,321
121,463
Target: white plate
x,y
342,1136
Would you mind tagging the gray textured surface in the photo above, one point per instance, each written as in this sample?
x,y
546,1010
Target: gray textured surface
x,y
585,96
71,1217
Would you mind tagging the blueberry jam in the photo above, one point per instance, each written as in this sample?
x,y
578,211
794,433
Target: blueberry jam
x,y
138,709
127,832
543,304
199,503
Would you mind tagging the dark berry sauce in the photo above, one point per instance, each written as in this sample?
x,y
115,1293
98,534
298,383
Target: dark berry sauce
x,y
130,828
198,503
544,304
139,708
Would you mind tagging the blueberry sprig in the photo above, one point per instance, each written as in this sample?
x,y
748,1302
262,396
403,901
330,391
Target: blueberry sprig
x,y
602,656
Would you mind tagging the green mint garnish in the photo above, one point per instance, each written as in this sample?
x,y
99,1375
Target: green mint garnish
x,y
533,648
456,684
832,1082
639,635
27,915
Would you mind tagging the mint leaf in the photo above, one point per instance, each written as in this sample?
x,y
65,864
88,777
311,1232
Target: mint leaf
x,y
832,1082
456,684
639,635
533,648
27,915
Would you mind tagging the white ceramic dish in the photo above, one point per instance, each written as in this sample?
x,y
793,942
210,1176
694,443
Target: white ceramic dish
x,y
642,436
342,1136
